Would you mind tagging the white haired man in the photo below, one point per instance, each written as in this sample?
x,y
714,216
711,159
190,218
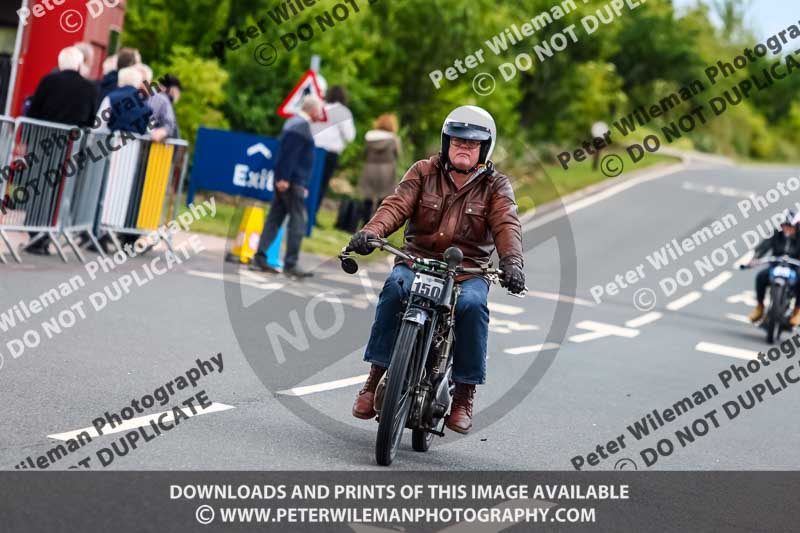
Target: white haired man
x,y
293,166
65,96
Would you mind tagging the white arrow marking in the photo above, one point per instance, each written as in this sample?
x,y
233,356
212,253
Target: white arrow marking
x,y
140,421
259,149
738,318
534,348
598,330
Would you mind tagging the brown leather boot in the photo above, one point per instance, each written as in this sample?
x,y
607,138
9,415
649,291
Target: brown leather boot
x,y
460,419
363,408
757,313
795,320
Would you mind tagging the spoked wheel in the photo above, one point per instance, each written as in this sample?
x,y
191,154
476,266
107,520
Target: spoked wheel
x,y
421,440
397,397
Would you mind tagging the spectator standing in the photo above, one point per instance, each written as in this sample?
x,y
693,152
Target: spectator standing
x,y
65,97
379,175
164,122
126,57
292,171
334,134
123,109
88,58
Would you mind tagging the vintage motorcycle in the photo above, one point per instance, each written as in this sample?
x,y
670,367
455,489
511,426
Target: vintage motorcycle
x,y
417,390
782,280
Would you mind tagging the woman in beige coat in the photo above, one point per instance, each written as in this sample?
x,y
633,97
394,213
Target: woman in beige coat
x,y
379,176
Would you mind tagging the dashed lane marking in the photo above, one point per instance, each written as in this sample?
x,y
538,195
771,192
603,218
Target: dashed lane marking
x,y
728,351
717,281
560,297
713,189
140,421
321,387
533,348
684,300
646,318
504,309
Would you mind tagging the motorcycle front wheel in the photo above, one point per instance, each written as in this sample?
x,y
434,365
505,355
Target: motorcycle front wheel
x,y
397,396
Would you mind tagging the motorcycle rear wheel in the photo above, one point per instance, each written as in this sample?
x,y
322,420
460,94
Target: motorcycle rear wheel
x,y
397,395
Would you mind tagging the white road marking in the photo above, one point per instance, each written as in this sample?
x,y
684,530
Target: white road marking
x,y
644,319
598,330
587,201
729,351
712,189
509,325
232,278
744,259
366,282
321,387
533,348
140,421
745,297
738,318
556,297
684,300
717,281
504,309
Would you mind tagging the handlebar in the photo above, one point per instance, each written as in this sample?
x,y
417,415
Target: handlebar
x,y
492,273
383,244
770,260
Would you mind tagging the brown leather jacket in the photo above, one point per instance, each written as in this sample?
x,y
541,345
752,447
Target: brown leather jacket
x,y
476,218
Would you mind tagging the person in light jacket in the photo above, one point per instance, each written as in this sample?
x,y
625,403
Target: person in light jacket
x,y
379,175
333,134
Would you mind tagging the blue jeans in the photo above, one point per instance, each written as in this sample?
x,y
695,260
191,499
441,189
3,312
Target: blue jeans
x,y
472,325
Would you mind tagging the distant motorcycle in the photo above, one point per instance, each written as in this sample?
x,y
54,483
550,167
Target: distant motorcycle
x,y
417,390
782,280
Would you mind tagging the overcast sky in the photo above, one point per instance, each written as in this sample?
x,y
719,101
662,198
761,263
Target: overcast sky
x,y
766,16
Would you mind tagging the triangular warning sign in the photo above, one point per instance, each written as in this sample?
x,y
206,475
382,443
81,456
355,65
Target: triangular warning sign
x,y
308,84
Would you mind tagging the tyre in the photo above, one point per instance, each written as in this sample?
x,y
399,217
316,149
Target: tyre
x,y
396,399
775,315
421,440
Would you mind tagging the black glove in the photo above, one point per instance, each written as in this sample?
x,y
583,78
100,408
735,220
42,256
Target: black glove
x,y
359,244
513,278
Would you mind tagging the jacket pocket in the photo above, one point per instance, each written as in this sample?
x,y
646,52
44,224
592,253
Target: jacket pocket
x,y
473,222
429,213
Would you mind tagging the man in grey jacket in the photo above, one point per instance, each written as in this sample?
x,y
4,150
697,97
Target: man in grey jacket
x,y
293,166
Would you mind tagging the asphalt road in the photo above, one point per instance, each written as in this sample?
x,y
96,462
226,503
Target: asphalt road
x,y
615,364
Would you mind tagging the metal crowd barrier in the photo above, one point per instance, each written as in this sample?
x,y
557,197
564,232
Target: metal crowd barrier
x,y
6,147
97,183
138,193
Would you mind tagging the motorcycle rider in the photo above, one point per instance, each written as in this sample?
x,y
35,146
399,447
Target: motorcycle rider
x,y
783,242
454,198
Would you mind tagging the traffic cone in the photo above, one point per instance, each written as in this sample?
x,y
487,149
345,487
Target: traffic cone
x,y
246,244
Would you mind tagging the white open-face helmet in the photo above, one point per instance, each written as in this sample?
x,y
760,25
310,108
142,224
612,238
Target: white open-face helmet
x,y
472,123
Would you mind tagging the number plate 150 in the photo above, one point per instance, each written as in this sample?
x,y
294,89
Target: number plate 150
x,y
427,286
